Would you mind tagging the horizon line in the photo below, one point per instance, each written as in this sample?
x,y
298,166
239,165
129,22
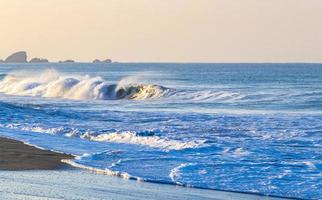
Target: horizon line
x,y
176,62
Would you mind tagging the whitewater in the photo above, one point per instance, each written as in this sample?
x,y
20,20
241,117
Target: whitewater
x,y
50,83
254,128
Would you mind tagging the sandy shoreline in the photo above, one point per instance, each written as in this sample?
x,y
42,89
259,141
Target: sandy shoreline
x,y
29,172
15,155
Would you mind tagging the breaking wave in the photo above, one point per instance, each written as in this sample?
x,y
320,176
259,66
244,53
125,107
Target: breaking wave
x,y
54,85
125,137
151,141
175,173
108,172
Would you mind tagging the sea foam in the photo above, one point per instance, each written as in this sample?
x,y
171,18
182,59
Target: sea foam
x,y
151,141
125,137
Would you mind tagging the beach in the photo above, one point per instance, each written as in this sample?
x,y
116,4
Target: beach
x,y
27,172
15,155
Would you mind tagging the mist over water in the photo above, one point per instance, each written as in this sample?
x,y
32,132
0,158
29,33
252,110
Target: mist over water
x,y
238,127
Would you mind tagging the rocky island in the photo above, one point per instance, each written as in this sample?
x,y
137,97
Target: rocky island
x,y
18,57
21,57
102,61
39,60
67,61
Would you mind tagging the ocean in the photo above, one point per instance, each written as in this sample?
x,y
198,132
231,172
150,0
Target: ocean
x,y
253,128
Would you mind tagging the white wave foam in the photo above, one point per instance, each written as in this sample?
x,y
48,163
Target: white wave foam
x,y
238,152
151,141
116,137
38,129
175,173
211,96
52,84
100,171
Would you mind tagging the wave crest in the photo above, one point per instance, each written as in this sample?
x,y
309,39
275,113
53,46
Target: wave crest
x,y
125,137
151,141
54,85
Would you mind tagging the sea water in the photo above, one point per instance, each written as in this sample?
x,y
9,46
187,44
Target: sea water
x,y
239,127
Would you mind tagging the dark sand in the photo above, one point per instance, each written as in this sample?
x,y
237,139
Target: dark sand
x,y
15,155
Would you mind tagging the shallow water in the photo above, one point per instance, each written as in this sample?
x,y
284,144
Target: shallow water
x,y
237,127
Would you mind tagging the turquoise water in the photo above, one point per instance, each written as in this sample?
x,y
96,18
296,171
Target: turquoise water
x,y
239,127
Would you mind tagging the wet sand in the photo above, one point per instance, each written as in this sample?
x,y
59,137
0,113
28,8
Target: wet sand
x,y
15,155
24,175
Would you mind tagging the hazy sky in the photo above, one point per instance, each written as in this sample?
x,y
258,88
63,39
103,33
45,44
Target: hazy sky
x,y
164,30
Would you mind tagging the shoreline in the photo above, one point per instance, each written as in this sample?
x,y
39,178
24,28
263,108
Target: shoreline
x,y
16,155
25,160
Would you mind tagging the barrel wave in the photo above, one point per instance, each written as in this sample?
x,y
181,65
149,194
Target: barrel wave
x,y
52,84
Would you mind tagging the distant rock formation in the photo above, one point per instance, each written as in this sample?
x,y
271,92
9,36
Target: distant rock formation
x,y
67,61
21,57
102,61
107,61
18,57
39,60
97,61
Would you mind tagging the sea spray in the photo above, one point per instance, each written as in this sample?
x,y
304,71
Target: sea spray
x,y
51,83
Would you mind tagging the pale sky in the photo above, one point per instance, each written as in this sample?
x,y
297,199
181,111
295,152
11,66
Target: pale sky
x,y
164,30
